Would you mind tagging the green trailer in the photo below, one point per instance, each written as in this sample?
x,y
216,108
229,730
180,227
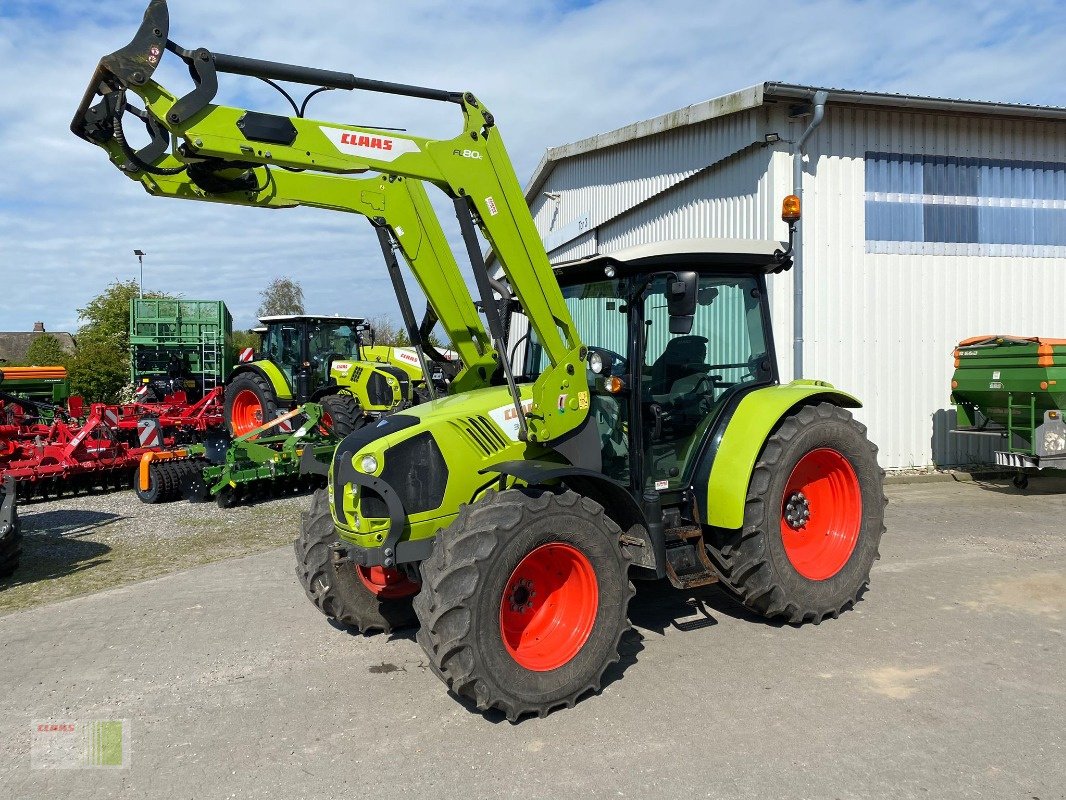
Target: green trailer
x,y
1013,388
178,345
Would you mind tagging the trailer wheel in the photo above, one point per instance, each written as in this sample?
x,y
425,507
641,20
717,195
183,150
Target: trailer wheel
x,y
155,493
250,401
365,600
523,601
341,414
812,523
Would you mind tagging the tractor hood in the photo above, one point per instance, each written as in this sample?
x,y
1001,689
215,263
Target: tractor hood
x,y
430,458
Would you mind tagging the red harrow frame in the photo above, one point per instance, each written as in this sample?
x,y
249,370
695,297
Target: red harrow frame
x,y
102,452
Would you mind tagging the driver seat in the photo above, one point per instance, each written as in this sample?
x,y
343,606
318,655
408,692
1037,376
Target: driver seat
x,y
683,356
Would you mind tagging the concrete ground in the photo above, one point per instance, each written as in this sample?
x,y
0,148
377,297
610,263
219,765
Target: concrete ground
x,y
949,680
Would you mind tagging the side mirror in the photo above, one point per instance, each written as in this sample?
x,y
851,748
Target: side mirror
x,y
681,292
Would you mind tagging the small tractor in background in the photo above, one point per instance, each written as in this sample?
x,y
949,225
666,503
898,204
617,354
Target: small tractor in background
x,y
643,434
321,359
1014,388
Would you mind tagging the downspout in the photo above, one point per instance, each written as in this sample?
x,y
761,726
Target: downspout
x,y
820,98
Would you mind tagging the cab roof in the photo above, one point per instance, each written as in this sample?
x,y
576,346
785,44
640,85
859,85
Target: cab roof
x,y
744,255
311,318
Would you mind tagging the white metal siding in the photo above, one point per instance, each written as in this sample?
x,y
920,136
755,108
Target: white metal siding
x,y
881,326
606,183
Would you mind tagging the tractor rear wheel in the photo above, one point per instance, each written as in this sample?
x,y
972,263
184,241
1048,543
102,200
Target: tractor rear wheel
x,y
341,414
360,598
523,601
250,401
812,522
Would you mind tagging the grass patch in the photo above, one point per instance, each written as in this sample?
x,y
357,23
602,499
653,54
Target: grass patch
x,y
71,552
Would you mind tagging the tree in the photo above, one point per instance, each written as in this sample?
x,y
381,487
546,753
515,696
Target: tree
x,y
386,331
282,296
100,368
99,371
47,351
241,340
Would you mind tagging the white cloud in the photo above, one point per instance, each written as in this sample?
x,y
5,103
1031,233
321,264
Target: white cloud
x,y
551,72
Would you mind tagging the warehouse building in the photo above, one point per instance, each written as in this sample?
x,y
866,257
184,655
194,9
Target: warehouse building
x,y
925,221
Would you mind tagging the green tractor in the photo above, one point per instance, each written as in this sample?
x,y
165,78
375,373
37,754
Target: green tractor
x,y
640,430
306,358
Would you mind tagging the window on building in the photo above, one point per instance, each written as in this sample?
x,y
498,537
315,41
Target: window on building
x,y
964,206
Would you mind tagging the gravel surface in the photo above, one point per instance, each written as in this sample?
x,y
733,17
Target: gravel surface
x,y
82,544
946,681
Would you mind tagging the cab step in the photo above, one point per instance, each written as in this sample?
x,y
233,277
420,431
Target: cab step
x,y
687,564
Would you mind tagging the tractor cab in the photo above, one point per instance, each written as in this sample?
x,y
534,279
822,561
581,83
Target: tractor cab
x,y
305,347
673,330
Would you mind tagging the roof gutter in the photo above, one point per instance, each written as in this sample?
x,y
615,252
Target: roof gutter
x,y
820,98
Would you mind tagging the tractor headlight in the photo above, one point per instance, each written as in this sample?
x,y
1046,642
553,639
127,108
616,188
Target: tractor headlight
x,y
596,362
369,465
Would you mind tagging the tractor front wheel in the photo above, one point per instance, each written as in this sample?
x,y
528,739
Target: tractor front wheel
x,y
812,522
365,599
250,401
341,414
523,601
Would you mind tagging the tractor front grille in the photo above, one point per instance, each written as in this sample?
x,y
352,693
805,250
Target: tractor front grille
x,y
416,470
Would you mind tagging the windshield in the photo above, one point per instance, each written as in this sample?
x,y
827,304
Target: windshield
x,y
339,340
599,314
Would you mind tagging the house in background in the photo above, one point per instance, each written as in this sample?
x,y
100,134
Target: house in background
x,y
15,345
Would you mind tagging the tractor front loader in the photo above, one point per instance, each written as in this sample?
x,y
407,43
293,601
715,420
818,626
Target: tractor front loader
x,y
641,431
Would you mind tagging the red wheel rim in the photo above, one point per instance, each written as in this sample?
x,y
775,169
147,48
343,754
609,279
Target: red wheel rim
x,y
549,607
388,584
325,424
246,413
821,514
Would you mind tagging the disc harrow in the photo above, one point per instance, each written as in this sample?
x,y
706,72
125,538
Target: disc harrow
x,y
51,453
252,467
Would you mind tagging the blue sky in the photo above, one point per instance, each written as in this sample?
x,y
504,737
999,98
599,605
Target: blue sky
x,y
552,72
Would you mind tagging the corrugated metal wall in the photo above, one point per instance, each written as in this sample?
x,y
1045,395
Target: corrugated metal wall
x,y
884,325
880,325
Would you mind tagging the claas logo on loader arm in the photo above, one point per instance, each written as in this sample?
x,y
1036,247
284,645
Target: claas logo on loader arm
x,y
372,142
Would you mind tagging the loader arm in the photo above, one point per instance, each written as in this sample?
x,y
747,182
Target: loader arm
x,y
400,205
211,144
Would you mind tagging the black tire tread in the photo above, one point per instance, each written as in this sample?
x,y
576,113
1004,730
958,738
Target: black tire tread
x,y
345,412
357,608
262,388
451,577
10,551
742,557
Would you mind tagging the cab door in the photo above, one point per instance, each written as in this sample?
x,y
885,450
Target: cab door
x,y
686,378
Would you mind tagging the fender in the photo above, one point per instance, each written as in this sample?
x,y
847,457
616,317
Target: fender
x,y
727,464
268,370
613,496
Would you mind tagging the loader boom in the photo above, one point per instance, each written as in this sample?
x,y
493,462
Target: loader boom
x,y
204,151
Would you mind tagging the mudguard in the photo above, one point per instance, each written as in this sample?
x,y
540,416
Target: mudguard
x,y
727,465
269,371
